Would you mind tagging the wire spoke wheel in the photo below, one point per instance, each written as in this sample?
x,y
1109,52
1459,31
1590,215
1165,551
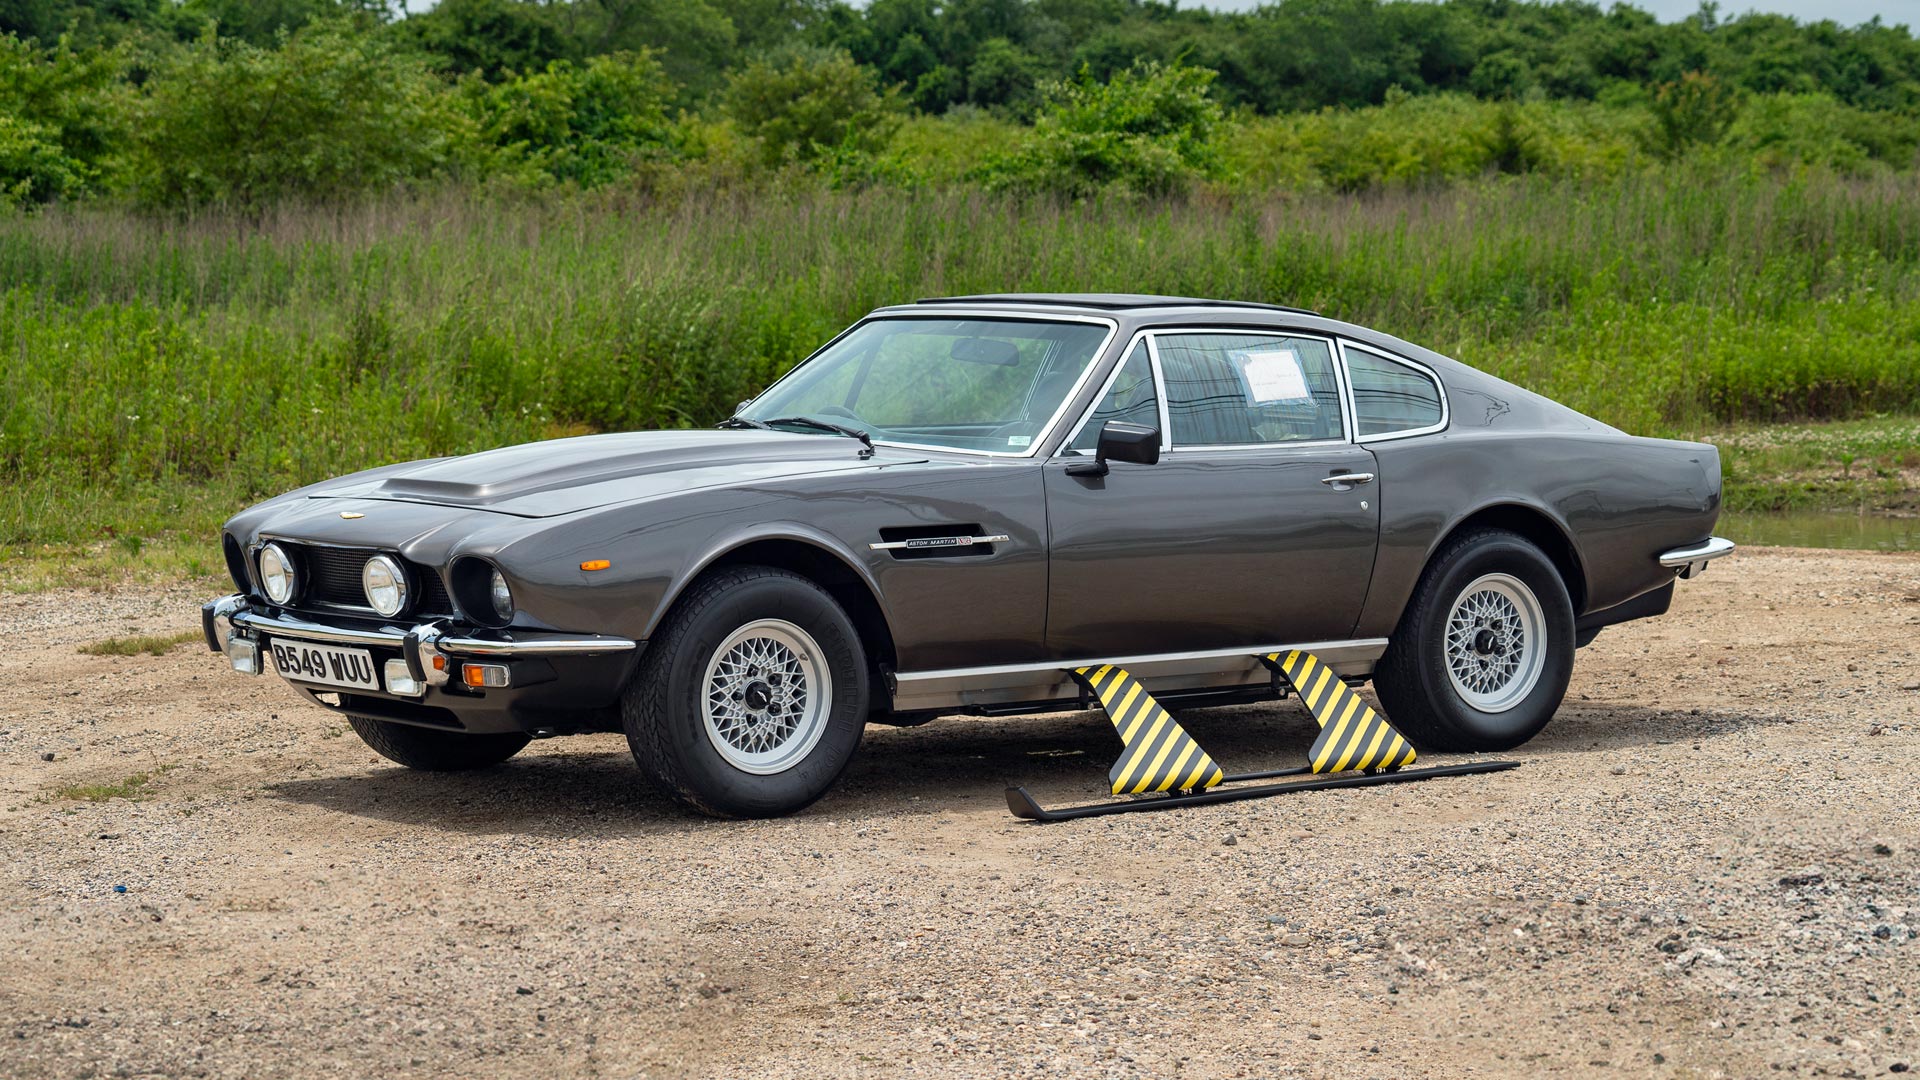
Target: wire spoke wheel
x,y
766,696
1495,642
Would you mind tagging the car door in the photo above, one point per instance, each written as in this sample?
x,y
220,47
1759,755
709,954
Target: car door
x,y
1258,525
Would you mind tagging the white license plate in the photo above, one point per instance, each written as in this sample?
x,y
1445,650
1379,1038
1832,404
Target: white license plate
x,y
326,665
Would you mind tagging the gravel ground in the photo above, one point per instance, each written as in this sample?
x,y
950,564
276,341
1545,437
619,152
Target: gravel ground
x,y
1709,865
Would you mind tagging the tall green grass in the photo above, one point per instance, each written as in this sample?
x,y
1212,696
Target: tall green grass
x,y
155,374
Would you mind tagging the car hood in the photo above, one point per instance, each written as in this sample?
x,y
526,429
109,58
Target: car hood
x,y
564,476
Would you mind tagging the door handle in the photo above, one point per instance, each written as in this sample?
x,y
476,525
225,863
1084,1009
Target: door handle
x,y
1348,478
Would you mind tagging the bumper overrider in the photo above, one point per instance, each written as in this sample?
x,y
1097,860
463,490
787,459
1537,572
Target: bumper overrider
x,y
1691,561
440,674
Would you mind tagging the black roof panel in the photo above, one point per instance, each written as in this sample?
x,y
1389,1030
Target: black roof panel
x,y
1106,301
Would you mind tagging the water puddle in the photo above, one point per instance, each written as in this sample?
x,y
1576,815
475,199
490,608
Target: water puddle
x,y
1822,529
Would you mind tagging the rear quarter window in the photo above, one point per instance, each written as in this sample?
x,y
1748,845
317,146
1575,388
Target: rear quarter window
x,y
1390,397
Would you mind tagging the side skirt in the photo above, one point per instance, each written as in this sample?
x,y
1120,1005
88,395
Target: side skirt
x,y
1168,675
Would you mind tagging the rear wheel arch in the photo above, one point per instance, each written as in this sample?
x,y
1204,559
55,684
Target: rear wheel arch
x,y
1452,687
1539,529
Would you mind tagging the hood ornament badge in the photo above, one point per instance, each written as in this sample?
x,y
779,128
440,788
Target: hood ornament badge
x,y
352,515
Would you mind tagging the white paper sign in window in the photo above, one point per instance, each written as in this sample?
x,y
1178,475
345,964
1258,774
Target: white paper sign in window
x,y
1273,375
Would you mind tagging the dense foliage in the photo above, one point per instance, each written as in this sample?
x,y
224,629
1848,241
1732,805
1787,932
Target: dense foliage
x,y
157,375
187,103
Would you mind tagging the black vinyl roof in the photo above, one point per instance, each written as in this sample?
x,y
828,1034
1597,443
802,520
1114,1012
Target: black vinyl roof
x,y
1107,301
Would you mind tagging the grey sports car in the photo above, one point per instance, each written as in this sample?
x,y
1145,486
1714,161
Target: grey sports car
x,y
949,507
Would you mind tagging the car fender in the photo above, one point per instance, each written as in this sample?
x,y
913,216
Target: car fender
x,y
734,539
1510,501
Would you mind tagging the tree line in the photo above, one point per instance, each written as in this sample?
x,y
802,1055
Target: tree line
x,y
186,102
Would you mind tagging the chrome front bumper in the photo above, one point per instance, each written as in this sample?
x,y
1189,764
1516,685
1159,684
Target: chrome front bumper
x,y
1692,561
232,627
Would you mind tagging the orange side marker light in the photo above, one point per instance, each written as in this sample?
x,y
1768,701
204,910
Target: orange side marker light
x,y
482,675
596,564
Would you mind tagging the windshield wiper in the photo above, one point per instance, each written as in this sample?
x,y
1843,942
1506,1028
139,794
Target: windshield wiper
x,y
745,422
818,425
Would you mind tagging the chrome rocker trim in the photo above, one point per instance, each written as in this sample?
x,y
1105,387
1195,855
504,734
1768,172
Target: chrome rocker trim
x,y
1050,680
1692,561
523,644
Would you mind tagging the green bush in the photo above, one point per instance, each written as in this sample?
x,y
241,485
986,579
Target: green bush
x,y
807,103
328,113
1436,138
585,123
33,167
1791,130
1148,130
1694,111
59,121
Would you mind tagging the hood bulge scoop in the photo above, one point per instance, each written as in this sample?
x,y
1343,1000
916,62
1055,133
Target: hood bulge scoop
x,y
568,475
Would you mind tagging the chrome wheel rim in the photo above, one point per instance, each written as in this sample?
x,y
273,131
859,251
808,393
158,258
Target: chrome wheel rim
x,y
1496,642
765,696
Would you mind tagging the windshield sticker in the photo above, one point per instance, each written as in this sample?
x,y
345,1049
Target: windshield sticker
x,y
1273,375
1019,440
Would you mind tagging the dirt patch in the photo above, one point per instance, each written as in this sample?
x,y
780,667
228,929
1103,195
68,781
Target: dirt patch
x,y
1708,866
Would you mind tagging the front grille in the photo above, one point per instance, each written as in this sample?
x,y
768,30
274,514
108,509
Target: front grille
x,y
336,577
433,594
334,581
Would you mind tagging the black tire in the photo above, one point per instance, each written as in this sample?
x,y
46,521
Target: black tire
x,y
436,751
1423,700
663,708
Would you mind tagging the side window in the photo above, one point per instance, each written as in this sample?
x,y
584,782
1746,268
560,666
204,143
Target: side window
x,y
1390,397
1131,399
1241,389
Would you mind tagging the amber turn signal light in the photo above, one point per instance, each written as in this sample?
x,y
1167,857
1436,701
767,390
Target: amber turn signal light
x,y
482,675
596,564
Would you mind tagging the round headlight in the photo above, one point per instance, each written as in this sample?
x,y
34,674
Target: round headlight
x,y
277,574
385,584
502,598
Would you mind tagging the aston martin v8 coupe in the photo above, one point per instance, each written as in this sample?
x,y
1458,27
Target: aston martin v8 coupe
x,y
949,507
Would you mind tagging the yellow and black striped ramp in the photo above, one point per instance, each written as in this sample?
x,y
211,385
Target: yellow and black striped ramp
x,y
1352,735
1159,755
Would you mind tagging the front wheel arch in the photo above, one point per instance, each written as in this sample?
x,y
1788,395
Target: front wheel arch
x,y
669,710
830,570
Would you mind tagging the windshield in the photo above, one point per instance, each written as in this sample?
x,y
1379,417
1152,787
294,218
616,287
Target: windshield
x,y
971,384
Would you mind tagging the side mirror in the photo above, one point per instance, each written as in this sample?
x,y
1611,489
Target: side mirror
x,y
1120,441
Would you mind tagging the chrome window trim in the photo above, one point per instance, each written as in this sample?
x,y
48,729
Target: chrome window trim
x,y
1106,387
1439,386
948,314
1168,446
1160,407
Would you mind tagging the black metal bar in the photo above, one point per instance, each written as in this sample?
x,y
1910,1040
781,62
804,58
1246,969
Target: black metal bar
x,y
1024,805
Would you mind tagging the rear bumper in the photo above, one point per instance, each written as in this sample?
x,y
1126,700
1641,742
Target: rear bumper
x,y
556,682
1692,560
